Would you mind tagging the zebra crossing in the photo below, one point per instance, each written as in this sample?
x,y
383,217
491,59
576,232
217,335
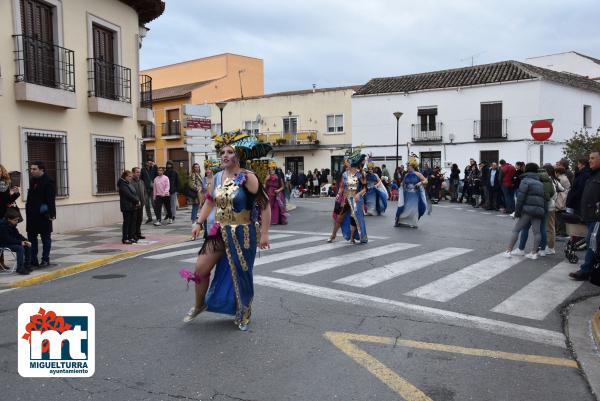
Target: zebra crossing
x,y
305,255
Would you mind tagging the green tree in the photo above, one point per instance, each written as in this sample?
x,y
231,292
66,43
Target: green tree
x,y
580,145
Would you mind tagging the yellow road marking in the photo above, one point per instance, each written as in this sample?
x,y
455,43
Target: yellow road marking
x,y
343,341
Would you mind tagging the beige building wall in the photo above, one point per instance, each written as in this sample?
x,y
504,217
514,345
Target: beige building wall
x,y
311,110
81,208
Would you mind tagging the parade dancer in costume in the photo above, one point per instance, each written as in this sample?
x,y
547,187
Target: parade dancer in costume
x,y
338,206
411,197
376,195
274,187
231,243
353,186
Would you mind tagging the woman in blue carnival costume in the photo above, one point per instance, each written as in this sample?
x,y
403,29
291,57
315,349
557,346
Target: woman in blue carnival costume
x,y
353,186
237,198
376,195
411,197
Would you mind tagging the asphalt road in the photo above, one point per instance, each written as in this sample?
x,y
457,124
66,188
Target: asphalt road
x,y
437,320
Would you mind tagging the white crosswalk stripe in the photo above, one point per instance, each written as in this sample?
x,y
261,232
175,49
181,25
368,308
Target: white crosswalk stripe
x,y
195,247
263,260
455,284
540,297
335,261
399,268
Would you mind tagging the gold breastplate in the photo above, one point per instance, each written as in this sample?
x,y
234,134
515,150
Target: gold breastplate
x,y
225,214
351,185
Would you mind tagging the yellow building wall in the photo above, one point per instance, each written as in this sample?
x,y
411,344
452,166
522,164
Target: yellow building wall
x,y
228,70
78,123
311,110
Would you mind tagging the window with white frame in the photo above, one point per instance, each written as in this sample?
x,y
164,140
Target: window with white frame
x,y
49,148
335,123
587,116
108,161
251,127
215,128
290,125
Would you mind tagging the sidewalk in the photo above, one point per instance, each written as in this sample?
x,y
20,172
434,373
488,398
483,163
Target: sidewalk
x,y
583,332
96,246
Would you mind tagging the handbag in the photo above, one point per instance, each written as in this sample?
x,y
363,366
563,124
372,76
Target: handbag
x,y
190,192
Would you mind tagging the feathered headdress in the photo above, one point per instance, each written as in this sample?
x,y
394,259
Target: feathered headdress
x,y
272,164
413,161
355,157
212,164
245,145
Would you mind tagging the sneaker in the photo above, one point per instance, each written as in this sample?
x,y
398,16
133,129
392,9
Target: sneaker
x,y
148,221
542,252
193,312
507,254
157,223
169,221
518,252
550,251
532,255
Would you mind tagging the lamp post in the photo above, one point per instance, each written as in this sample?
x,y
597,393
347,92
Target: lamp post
x,y
397,114
221,106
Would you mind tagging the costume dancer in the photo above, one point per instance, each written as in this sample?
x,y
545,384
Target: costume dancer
x,y
275,186
411,197
231,243
376,195
353,186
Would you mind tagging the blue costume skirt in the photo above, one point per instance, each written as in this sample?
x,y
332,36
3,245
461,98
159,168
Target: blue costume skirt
x,y
231,289
360,232
376,199
411,206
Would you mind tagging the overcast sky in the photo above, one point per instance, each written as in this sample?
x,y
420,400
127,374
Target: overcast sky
x,y
347,42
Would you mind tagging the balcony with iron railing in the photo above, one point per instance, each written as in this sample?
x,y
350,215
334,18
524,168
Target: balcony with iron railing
x,y
290,140
490,129
44,72
427,132
171,129
145,115
149,132
109,88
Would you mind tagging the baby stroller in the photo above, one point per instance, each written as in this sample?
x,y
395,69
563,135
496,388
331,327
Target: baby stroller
x,y
577,231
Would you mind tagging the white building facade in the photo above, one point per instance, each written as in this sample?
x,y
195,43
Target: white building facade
x,y
573,62
481,112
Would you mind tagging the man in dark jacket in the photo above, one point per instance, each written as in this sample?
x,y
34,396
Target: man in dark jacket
x,y
493,186
590,213
149,172
574,196
484,168
530,209
129,202
173,186
40,210
140,190
11,238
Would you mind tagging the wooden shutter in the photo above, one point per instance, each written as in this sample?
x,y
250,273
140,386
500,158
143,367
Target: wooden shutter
x,y
104,57
45,150
491,120
490,156
38,39
106,167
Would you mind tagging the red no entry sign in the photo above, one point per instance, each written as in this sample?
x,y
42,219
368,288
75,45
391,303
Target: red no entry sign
x,y
541,130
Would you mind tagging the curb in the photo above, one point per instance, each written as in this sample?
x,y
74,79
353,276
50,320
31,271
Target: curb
x,y
583,334
66,271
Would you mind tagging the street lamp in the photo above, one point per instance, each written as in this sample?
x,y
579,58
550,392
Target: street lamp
x,y
397,114
221,106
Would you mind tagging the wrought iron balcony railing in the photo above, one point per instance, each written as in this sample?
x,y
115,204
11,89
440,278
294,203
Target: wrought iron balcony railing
x,y
44,63
171,128
427,132
109,81
146,91
490,129
149,131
